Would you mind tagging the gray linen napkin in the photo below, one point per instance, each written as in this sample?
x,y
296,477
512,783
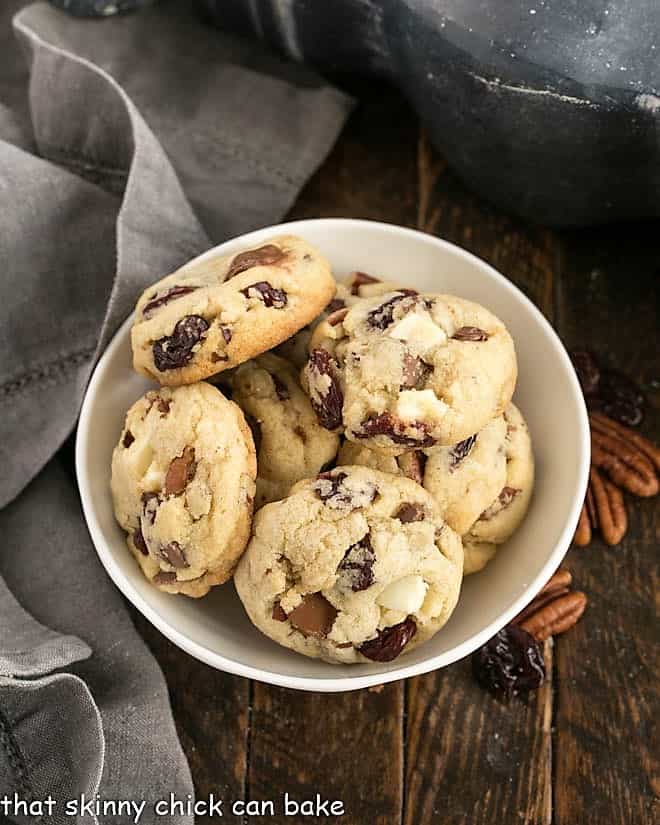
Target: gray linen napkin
x,y
126,147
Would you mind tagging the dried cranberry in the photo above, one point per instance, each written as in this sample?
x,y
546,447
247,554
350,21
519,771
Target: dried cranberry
x,y
621,394
281,389
331,490
511,662
140,543
171,295
263,256
383,315
226,334
174,555
358,563
393,428
470,334
270,295
128,439
390,641
460,451
587,370
176,350
327,397
414,372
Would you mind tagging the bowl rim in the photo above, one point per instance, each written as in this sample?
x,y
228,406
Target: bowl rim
x,y
344,683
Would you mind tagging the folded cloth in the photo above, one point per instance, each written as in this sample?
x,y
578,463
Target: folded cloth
x,y
127,146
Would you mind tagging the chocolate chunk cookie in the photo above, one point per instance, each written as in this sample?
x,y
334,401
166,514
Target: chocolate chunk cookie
x,y
406,371
215,314
504,514
463,479
353,566
291,444
183,486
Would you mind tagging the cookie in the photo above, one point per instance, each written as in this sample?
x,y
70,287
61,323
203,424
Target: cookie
x,y
183,486
350,290
405,371
507,510
212,315
291,444
463,479
353,566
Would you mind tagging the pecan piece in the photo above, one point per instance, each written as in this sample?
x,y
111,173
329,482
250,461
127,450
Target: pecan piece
x,y
164,577
358,279
470,334
267,293
326,395
610,511
624,463
394,429
263,256
171,294
176,350
409,512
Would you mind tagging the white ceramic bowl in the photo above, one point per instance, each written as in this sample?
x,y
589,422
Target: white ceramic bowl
x,y
215,629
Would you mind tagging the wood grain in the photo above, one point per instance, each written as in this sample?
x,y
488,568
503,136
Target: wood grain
x,y
607,766
469,757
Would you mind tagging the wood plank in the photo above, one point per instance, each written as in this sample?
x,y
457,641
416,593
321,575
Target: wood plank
x,y
607,756
469,757
347,747
211,713
344,746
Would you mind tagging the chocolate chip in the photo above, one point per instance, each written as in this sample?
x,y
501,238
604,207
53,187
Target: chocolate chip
x,y
164,577
314,616
357,565
171,295
503,500
390,641
174,555
360,278
410,512
180,472
128,439
270,296
460,451
263,256
176,350
139,542
150,502
470,334
393,428
327,398
226,334
415,372
383,315
334,305
255,428
163,406
413,465
278,613
281,388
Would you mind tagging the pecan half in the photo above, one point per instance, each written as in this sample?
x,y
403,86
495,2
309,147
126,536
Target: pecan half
x,y
607,426
554,610
582,535
470,334
610,512
624,463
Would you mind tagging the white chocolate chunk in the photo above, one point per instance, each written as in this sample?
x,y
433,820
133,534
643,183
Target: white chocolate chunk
x,y
154,478
405,595
140,455
420,331
417,405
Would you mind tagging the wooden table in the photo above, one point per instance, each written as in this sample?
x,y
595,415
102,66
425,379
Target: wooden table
x,y
437,748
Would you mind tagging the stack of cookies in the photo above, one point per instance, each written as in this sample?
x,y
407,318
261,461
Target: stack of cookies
x,y
346,451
